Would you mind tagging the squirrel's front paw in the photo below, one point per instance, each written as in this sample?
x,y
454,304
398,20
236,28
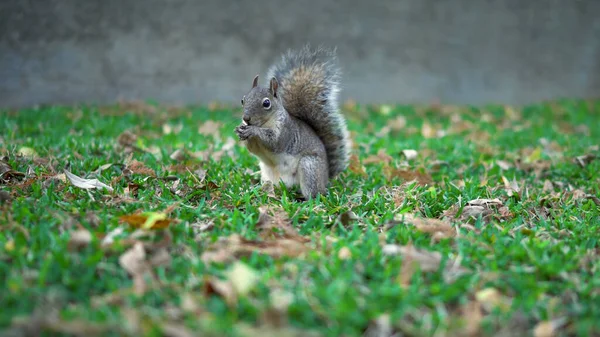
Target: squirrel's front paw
x,y
243,131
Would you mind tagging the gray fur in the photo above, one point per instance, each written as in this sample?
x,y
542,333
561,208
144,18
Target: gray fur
x,y
320,111
302,138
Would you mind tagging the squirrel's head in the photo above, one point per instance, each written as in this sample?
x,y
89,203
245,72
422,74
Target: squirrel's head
x,y
260,104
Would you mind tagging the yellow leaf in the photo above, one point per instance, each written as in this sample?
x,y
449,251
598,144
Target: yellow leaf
x,y
27,152
242,278
535,155
491,298
148,220
9,246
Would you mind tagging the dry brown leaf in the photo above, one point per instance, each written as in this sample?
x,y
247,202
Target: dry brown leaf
x,y
511,187
549,328
504,165
234,246
27,152
585,160
409,154
277,238
126,138
210,128
491,298
380,327
439,229
355,166
7,173
380,157
79,238
222,288
548,186
427,131
397,123
485,202
344,253
276,313
420,178
242,278
4,197
86,183
138,261
178,155
484,208
137,167
176,330
172,129
134,262
472,316
428,261
147,220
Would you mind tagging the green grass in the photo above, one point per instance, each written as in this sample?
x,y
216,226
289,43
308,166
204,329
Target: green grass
x,y
538,250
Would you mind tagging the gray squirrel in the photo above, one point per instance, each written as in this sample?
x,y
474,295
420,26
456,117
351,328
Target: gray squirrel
x,y
294,127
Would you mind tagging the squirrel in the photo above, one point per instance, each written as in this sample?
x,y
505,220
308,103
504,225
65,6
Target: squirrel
x,y
294,126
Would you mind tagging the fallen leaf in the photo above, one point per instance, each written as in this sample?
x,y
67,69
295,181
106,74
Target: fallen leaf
x,y
439,229
491,298
428,261
380,327
86,183
485,202
210,128
223,288
134,262
4,197
242,278
169,129
548,186
484,208
347,217
511,187
420,178
176,330
585,160
472,316
427,131
147,220
397,123
137,167
504,165
138,262
380,157
178,155
79,238
409,154
355,166
27,152
7,173
549,328
344,253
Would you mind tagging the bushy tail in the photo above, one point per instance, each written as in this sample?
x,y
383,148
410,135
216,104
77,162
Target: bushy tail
x,y
309,86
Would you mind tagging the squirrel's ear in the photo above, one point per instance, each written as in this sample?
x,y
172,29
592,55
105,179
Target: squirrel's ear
x,y
274,86
255,82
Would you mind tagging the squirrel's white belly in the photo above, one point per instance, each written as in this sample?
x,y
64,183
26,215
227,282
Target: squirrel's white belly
x,y
275,167
280,167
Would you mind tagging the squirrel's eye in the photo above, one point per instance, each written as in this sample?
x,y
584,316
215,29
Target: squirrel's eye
x,y
266,103
243,100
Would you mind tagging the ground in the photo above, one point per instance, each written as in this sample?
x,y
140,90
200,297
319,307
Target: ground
x,y
137,219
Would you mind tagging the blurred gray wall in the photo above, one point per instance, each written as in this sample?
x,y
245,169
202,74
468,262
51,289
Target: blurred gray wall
x,y
176,51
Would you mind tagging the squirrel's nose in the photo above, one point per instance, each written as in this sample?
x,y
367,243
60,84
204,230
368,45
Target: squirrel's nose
x,y
246,119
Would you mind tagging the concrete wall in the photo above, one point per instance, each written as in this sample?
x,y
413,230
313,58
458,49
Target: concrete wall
x,y
175,51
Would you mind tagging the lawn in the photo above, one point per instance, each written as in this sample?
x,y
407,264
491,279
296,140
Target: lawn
x,y
142,220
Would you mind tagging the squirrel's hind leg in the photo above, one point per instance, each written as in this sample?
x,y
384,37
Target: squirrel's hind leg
x,y
313,176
